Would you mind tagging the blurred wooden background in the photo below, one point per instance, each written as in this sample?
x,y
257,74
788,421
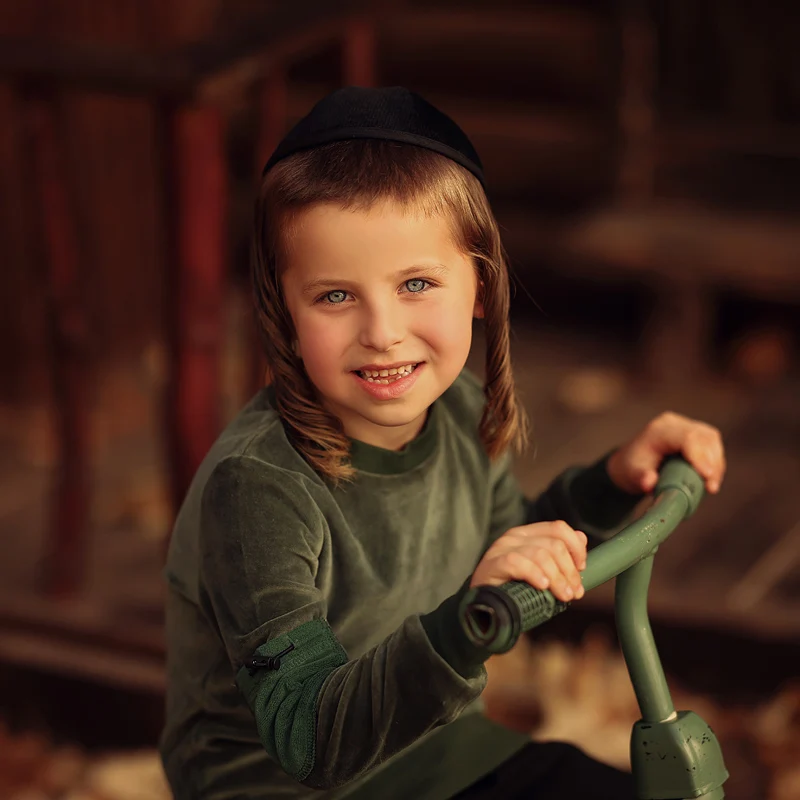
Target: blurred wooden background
x,y
642,157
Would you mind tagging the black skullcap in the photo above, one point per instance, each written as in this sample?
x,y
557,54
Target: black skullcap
x,y
393,113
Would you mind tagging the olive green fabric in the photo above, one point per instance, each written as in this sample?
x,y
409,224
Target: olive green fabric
x,y
263,546
284,697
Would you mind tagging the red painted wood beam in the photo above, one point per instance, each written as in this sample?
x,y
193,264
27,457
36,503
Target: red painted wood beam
x,y
68,332
197,214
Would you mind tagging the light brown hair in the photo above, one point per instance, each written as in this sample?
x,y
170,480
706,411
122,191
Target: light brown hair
x,y
356,175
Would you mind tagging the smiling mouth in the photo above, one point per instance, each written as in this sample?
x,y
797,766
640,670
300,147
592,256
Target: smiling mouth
x,y
386,375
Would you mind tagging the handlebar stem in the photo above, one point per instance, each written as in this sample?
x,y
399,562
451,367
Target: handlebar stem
x,y
637,643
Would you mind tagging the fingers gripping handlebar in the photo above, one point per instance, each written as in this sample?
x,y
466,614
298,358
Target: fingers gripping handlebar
x,y
495,616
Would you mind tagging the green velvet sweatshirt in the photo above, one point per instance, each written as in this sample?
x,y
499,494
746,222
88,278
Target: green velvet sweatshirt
x,y
313,645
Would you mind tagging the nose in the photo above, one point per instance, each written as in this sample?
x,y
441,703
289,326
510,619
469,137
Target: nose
x,y
382,327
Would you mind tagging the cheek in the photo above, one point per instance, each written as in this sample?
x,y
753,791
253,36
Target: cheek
x,y
323,339
447,326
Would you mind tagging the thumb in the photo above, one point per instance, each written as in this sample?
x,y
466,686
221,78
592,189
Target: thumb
x,y
644,470
648,480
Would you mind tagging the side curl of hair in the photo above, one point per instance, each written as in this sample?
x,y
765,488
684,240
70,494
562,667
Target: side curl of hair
x,y
356,175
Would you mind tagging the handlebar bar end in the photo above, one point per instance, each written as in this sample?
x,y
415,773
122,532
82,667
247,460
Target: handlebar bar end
x,y
675,473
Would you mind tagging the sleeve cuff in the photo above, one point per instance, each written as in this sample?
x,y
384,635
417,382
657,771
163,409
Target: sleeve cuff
x,y
599,503
449,640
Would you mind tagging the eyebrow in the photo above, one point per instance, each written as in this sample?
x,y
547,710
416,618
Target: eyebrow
x,y
434,270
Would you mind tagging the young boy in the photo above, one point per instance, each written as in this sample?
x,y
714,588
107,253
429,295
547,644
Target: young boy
x,y
316,565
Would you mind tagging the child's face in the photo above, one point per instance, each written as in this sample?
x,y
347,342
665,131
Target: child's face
x,y
379,289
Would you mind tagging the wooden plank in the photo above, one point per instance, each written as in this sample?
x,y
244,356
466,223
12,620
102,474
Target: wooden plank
x,y
230,85
62,648
767,572
285,28
698,609
69,345
755,253
676,140
540,53
63,656
277,26
94,67
89,621
542,23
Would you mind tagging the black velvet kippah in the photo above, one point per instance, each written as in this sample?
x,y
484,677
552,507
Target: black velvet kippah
x,y
393,113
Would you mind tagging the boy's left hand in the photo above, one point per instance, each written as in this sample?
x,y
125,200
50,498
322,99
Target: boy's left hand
x,y
633,467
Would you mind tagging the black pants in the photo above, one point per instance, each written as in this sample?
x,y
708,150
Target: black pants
x,y
551,771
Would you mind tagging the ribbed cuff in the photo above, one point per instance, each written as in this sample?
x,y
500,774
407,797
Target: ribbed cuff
x,y
448,638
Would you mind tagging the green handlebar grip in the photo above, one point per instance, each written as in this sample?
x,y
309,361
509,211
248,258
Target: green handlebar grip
x,y
493,617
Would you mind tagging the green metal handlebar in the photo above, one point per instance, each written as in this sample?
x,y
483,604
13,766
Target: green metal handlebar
x,y
674,754
494,617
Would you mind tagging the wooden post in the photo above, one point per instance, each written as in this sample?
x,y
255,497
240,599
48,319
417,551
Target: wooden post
x,y
68,331
675,338
636,108
359,66
197,206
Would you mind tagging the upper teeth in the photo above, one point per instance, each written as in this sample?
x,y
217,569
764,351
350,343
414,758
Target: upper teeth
x,y
383,373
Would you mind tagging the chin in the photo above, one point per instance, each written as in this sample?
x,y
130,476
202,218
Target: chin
x,y
397,417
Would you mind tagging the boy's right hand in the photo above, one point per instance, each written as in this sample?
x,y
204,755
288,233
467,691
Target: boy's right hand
x,y
547,555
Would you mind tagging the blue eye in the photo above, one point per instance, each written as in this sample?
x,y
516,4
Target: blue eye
x,y
336,297
416,285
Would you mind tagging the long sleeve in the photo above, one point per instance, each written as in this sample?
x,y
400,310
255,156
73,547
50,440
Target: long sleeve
x,y
583,496
587,499
324,717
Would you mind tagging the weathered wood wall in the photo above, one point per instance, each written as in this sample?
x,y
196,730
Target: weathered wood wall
x,y
547,88
111,163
